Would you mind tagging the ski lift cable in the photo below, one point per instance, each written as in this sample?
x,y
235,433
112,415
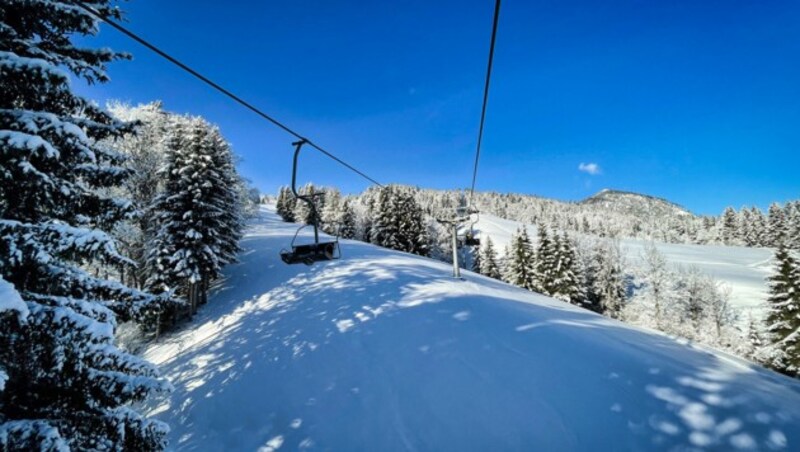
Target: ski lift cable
x,y
219,88
485,99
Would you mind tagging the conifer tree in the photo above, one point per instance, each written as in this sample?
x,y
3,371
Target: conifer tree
x,y
285,204
609,279
302,213
199,214
172,260
567,273
475,256
384,228
783,319
776,226
65,383
224,204
330,215
545,261
413,231
758,227
730,229
291,205
488,260
348,219
399,223
793,225
744,227
692,300
519,269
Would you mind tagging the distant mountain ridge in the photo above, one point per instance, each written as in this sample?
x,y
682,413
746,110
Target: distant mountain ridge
x,y
631,203
608,213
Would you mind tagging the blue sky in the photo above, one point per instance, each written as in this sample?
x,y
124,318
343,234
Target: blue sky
x,y
694,101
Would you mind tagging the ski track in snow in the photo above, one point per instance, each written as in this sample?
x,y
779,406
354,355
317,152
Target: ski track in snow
x,y
743,270
384,351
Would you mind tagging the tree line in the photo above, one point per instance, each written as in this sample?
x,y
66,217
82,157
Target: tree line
x,y
656,220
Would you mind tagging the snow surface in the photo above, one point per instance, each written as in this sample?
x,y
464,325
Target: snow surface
x,y
10,299
743,270
382,350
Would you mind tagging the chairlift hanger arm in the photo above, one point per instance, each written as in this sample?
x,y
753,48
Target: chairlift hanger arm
x,y
309,196
308,199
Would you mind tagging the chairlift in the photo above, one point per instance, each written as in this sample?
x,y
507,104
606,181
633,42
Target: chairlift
x,y
308,253
469,236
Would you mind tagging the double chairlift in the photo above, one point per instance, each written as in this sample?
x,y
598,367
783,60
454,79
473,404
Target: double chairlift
x,y
309,253
318,251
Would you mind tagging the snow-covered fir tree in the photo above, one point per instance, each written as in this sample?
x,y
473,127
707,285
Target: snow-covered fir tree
x,y
776,226
568,272
730,227
198,215
489,265
413,228
384,228
474,255
65,383
286,204
399,223
349,226
228,198
793,225
302,212
519,262
545,261
755,344
331,213
607,288
783,318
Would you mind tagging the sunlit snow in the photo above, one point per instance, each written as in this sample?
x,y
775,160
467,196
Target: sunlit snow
x,y
384,351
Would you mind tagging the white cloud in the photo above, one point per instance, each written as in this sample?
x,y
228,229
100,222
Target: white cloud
x,y
590,168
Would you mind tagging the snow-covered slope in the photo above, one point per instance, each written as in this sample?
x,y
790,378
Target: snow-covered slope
x,y
629,203
743,270
384,351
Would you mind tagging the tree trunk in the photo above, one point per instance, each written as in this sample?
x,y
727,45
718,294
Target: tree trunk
x,y
194,297
158,324
204,290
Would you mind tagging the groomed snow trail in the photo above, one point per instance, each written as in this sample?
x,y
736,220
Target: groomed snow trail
x,y
383,351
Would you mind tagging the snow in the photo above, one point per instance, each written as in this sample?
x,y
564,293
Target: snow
x,y
743,270
12,61
26,141
382,350
10,299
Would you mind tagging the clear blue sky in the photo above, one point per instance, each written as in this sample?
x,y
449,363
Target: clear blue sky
x,y
695,101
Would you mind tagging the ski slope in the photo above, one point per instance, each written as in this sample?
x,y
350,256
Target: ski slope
x,y
384,351
743,270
